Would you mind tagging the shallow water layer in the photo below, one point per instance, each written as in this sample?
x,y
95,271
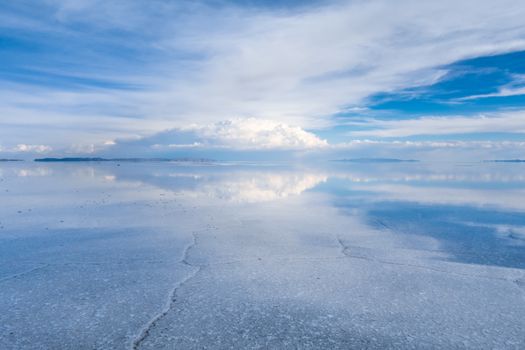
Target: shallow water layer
x,y
262,256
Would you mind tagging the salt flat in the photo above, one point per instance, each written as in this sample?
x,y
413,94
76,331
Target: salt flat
x,y
262,256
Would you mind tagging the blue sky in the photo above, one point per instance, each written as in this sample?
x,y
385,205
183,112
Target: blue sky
x,y
262,79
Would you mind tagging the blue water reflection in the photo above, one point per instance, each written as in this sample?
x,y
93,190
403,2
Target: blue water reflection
x,y
393,253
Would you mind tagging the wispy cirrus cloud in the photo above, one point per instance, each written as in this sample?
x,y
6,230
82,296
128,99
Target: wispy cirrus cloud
x,y
503,92
431,144
110,70
514,88
451,150
503,122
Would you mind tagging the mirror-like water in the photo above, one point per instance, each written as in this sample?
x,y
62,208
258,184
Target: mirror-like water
x,y
167,255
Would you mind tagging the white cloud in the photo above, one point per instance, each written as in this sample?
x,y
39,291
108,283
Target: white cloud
x,y
252,133
82,149
24,148
304,67
31,148
255,135
177,146
451,150
503,92
207,64
515,88
431,144
508,122
236,134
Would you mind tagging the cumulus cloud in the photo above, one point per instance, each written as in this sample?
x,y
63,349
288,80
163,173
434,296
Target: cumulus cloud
x,y
255,135
31,148
234,134
252,133
24,150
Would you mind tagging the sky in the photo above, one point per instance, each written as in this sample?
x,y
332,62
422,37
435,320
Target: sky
x,y
438,80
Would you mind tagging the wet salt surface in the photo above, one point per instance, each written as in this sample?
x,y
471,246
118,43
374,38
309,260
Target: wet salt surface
x,y
163,256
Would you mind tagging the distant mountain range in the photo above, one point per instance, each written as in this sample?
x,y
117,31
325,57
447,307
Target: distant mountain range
x,y
10,160
376,160
84,159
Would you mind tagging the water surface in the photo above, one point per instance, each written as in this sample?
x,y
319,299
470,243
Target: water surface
x,y
256,256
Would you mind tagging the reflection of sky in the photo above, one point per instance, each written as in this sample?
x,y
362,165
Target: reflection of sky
x,y
439,252
471,235
233,185
475,212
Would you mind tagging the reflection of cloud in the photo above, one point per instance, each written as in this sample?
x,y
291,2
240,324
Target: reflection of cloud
x,y
443,177
515,235
40,171
437,172
253,187
511,198
477,184
233,185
